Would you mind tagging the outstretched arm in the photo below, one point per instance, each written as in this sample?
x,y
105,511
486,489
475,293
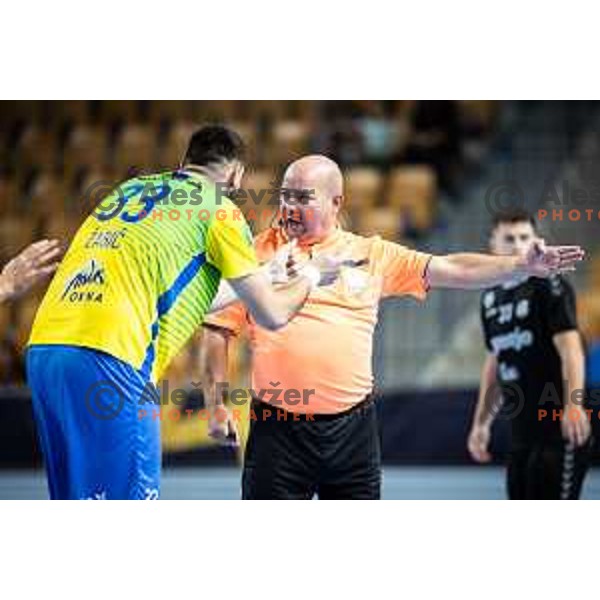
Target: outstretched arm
x,y
475,271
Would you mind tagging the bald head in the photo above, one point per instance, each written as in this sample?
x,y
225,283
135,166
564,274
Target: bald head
x,y
316,171
317,182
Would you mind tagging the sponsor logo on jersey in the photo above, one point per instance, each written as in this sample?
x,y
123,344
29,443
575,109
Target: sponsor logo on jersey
x,y
507,372
522,308
517,339
83,285
488,299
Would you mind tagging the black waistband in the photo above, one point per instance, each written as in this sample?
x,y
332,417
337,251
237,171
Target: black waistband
x,y
364,404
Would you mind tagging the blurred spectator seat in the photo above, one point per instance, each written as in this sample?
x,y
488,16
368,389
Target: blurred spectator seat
x,y
86,147
37,147
290,141
269,110
588,302
593,279
62,226
48,194
477,114
27,309
413,191
215,110
248,132
176,143
136,147
379,133
119,110
8,195
71,112
169,110
381,220
16,110
588,310
16,231
363,188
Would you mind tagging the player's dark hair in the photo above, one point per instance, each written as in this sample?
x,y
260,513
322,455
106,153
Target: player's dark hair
x,y
214,144
515,215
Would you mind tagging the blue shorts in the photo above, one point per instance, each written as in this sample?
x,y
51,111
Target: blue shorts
x,y
94,443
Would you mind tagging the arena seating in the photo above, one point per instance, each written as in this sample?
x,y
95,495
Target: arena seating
x,y
54,151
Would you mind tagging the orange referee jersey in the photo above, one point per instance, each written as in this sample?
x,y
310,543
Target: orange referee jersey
x,y
325,352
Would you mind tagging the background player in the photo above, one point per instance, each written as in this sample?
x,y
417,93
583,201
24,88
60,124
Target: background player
x,y
328,346
133,287
534,348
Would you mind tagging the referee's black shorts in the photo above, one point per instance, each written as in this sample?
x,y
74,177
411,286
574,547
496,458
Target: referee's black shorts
x,y
332,456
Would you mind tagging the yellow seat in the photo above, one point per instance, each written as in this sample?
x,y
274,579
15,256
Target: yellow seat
x,y
48,194
593,277
169,110
16,232
290,141
37,147
363,188
86,147
215,110
413,191
385,221
247,131
136,148
588,307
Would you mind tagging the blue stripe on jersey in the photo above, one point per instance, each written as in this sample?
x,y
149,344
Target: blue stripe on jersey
x,y
166,301
167,298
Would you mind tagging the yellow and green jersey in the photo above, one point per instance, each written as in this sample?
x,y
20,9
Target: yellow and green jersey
x,y
143,269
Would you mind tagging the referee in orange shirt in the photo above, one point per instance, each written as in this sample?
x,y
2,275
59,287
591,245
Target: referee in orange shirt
x,y
320,435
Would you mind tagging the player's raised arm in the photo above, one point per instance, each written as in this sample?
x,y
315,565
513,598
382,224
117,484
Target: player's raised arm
x,y
273,307
29,268
278,270
474,271
275,292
